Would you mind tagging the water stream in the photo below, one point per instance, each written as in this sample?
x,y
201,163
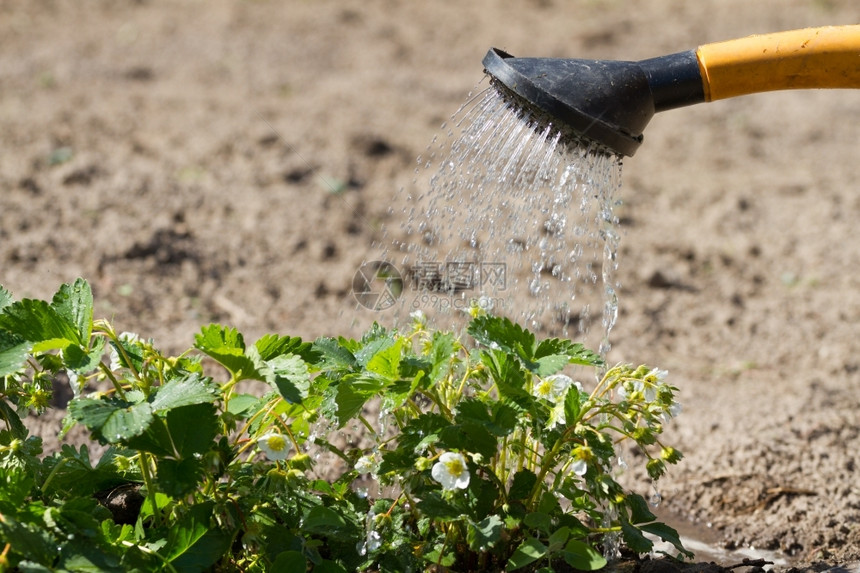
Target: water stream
x,y
515,218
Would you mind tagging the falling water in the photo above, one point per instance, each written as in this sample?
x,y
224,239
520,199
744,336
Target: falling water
x,y
517,217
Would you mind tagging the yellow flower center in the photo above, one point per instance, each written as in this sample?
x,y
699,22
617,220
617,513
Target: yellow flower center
x,y
277,443
544,388
455,467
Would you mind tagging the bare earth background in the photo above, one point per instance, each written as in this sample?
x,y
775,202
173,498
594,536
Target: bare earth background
x,y
181,157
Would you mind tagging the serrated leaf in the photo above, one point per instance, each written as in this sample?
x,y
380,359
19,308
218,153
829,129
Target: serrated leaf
x,y
12,420
575,352
434,506
572,405
178,478
469,437
582,556
634,538
75,304
84,361
639,512
290,376
351,396
227,347
668,534
178,392
529,551
548,365
192,429
484,534
501,332
539,521
522,484
38,322
14,351
323,520
193,545
218,337
372,347
6,298
112,420
386,362
500,420
334,356
272,345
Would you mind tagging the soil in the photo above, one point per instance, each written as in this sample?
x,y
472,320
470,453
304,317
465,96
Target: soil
x,y
234,161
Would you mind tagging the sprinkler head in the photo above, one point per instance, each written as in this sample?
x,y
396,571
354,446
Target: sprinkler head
x,y
607,101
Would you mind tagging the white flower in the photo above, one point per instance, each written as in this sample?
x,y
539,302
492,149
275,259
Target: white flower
x,y
579,467
418,316
275,446
555,387
451,471
366,464
129,337
672,411
556,416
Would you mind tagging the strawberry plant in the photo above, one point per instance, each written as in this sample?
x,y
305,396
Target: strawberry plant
x,y
485,454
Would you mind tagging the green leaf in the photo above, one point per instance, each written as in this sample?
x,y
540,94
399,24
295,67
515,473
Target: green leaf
x,y
193,543
558,539
218,337
353,392
178,478
192,429
668,534
75,304
39,323
508,376
290,562
13,353
272,345
334,356
289,375
112,420
227,347
529,551
574,352
634,538
639,512
485,533
186,391
522,484
582,556
13,421
548,365
572,405
438,558
497,331
386,362
324,520
470,438
242,404
538,520
6,298
434,506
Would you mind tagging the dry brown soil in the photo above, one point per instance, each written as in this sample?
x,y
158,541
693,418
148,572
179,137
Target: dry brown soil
x,y
182,157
